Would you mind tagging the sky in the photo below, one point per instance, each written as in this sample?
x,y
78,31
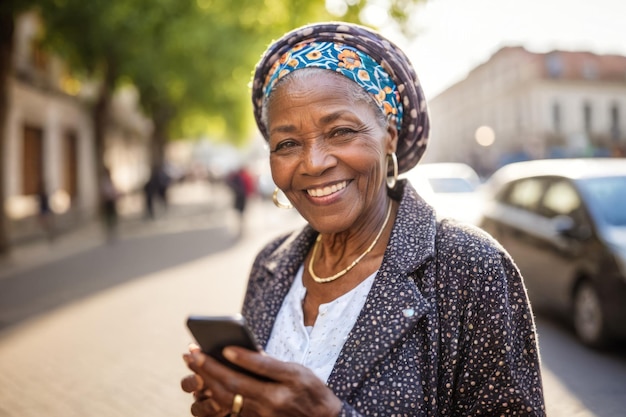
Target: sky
x,y
455,36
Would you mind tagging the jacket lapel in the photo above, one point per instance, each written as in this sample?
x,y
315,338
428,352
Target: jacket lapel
x,y
280,269
395,304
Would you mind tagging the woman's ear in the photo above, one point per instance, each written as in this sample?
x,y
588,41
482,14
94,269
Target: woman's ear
x,y
392,138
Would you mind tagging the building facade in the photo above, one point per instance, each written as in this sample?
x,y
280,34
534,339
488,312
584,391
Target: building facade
x,y
50,146
523,105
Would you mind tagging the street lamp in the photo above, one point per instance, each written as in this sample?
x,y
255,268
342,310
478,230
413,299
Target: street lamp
x,y
485,136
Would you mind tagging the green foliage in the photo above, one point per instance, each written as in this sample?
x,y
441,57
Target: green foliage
x,y
191,60
13,7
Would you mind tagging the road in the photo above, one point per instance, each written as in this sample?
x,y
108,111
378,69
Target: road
x,y
579,381
100,331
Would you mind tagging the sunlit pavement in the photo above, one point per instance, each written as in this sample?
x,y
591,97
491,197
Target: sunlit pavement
x,y
192,202
117,351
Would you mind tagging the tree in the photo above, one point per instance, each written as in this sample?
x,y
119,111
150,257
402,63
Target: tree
x,y
6,52
195,64
93,38
191,60
89,36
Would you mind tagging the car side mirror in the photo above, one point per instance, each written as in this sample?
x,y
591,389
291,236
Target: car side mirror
x,y
566,226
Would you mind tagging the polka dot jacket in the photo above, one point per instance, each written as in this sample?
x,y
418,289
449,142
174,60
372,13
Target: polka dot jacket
x,y
446,329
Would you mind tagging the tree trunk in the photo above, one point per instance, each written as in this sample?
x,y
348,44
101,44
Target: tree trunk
x,y
161,118
6,54
100,120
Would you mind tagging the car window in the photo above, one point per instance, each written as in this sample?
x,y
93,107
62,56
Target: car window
x,y
525,194
561,198
450,185
607,196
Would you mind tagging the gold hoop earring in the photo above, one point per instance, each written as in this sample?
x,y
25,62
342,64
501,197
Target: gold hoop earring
x,y
277,203
391,181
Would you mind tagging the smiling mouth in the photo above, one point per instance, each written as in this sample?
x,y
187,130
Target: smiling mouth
x,y
323,192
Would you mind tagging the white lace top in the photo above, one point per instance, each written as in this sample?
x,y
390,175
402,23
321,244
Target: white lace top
x,y
317,347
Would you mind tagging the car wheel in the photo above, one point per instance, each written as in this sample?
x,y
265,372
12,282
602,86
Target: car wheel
x,y
588,316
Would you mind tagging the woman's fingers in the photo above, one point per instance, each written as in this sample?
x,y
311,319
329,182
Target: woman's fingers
x,y
259,364
217,388
215,385
207,407
192,383
212,398
296,390
209,379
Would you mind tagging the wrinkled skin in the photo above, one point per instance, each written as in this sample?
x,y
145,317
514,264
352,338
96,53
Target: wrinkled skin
x,y
326,139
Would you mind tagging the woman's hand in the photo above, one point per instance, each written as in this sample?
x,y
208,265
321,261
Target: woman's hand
x,y
293,391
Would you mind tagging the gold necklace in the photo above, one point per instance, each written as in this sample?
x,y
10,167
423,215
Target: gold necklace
x,y
353,264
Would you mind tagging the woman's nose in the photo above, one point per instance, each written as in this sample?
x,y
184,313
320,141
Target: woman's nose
x,y
318,158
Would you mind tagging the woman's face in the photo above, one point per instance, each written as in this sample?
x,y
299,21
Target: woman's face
x,y
328,151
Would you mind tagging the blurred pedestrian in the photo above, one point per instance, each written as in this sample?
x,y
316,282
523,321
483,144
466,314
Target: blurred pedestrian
x,y
110,196
241,184
45,214
155,188
375,307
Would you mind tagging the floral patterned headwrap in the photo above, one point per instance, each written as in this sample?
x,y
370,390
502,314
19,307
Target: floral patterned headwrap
x,y
346,60
362,55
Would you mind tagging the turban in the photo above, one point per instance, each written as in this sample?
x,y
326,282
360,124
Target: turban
x,y
364,56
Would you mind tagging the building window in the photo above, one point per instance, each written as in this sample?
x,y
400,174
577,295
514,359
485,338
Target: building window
x,y
556,117
587,115
32,160
615,122
70,164
589,70
554,65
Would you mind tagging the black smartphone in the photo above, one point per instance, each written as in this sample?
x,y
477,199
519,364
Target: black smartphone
x,y
214,333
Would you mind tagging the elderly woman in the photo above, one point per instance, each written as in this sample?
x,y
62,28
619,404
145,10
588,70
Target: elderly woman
x,y
375,308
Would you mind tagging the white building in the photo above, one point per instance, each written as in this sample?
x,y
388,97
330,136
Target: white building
x,y
50,142
531,105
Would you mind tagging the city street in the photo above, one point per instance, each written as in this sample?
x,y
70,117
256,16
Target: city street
x,y
97,329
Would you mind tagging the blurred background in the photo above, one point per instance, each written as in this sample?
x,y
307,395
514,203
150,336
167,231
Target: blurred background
x,y
127,138
160,89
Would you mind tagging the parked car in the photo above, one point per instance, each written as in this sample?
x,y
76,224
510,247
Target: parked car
x,y
564,223
450,187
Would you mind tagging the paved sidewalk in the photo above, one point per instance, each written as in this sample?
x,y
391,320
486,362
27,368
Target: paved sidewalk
x,y
118,352
192,205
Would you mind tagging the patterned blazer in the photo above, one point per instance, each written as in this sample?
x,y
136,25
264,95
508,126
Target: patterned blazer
x,y
446,329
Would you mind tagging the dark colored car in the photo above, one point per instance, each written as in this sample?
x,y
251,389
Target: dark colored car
x,y
564,223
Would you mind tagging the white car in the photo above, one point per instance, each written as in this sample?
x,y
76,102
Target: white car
x,y
452,188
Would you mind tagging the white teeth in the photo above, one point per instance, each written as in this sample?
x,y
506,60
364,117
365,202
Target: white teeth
x,y
322,192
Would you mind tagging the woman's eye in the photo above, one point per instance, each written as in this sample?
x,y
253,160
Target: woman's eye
x,y
344,131
284,145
